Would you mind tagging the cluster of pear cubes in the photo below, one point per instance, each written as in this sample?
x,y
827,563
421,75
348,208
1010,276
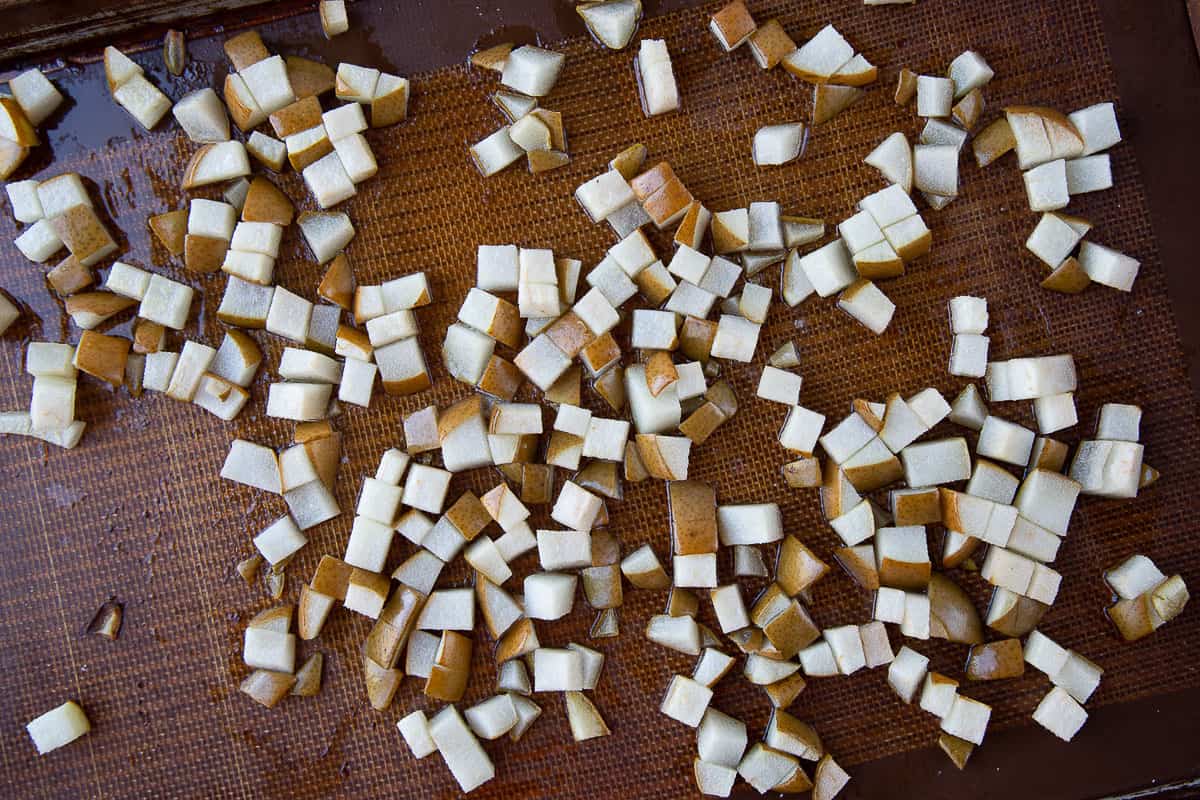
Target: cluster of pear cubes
x,y
1023,522
1147,599
837,72
424,630
874,244
951,106
527,74
60,215
34,100
209,236
776,634
1061,157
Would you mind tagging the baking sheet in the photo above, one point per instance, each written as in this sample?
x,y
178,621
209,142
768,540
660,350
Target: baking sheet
x,y
138,511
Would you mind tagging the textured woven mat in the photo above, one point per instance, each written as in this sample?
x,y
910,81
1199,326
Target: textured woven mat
x,y
138,510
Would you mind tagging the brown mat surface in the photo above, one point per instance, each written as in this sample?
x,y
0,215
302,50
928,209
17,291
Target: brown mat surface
x,y
138,510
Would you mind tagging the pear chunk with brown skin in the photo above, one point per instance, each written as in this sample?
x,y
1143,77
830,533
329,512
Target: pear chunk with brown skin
x,y
277,618
693,514
214,163
864,409
308,431
859,564
451,668
204,254
644,571
493,58
332,577
333,17
118,68
339,282
313,611
102,356
629,162
769,603
797,567
382,684
390,103
107,622
611,386
325,452
906,87
301,115
1048,454
266,687
545,160
856,72
70,277
916,506
90,309
266,202
1150,476
693,225
952,615
519,640
696,337
391,631
308,77
14,125
1134,618
606,625
243,110
803,473
634,469
248,568
602,478
602,586
725,239
830,100
84,235
12,155
664,457
660,372
783,693
770,44
245,49
829,779
791,630
1013,614
957,548
703,422
996,660
1055,137
732,25
959,750
584,718
611,23
993,141
798,782
170,229
786,356
969,109
308,677
1068,277
1169,598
